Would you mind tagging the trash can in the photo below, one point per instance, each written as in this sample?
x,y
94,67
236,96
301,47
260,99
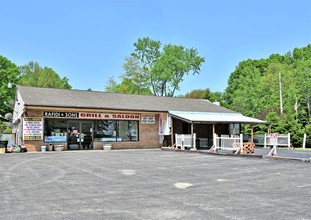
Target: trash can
x,y
49,147
3,146
43,148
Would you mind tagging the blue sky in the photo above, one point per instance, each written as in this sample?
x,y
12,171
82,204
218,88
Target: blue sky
x,y
87,40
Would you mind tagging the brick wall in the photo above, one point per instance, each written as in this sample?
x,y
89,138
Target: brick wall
x,y
148,138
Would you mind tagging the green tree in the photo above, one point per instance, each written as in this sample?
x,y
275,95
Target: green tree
x,y
302,73
9,72
196,94
254,90
205,94
165,69
34,75
132,81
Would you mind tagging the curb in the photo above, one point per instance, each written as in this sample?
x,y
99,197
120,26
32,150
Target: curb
x,y
289,158
242,155
219,154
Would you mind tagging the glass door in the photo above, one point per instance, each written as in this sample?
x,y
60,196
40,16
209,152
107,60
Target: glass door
x,y
80,135
86,136
73,135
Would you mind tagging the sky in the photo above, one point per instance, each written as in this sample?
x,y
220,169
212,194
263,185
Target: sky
x,y
87,41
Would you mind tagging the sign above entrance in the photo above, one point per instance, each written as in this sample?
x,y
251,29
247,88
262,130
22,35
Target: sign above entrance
x,y
61,114
109,116
85,115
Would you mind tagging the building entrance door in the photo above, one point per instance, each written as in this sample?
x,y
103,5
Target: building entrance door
x,y
80,135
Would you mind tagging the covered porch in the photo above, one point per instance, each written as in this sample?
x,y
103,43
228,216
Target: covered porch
x,y
203,126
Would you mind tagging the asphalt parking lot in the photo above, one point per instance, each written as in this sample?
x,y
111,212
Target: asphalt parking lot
x,y
151,184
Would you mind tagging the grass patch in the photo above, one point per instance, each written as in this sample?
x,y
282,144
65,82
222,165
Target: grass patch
x,y
304,149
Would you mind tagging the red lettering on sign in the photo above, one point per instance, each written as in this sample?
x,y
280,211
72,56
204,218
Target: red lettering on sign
x,y
90,115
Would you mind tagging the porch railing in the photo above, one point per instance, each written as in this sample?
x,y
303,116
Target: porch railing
x,y
227,142
184,141
277,140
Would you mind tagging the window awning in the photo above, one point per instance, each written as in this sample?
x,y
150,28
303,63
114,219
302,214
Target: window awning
x,y
212,117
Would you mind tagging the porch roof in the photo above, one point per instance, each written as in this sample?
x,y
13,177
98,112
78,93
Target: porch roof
x,y
212,117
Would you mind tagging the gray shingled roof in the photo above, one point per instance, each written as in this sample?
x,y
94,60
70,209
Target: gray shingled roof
x,y
35,96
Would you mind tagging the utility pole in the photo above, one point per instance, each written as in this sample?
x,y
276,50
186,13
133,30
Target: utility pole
x,y
281,101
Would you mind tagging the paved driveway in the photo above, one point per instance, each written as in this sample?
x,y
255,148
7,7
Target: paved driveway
x,y
151,184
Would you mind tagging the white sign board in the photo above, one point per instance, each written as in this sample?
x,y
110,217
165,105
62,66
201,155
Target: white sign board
x,y
148,119
33,128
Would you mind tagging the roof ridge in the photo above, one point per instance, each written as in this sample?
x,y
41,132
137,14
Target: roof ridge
x,y
104,92
65,98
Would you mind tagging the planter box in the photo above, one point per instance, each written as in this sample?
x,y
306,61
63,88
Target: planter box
x,y
107,147
58,147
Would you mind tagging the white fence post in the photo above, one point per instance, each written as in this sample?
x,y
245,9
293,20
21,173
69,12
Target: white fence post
x,y
289,141
182,142
241,142
304,140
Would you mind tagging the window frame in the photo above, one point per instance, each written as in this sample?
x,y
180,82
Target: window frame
x,y
117,136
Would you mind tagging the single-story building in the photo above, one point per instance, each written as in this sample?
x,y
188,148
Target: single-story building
x,y
79,119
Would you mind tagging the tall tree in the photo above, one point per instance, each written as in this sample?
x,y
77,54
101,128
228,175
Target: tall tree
x,y
256,88
9,72
205,94
169,70
165,69
132,81
196,94
34,75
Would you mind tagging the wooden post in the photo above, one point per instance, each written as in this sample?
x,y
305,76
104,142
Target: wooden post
x,y
213,128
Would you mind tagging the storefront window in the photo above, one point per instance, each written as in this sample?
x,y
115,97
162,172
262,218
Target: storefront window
x,y
133,130
116,131
55,130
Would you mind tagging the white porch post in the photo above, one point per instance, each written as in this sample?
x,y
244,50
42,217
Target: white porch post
x,y
172,132
214,143
192,135
241,142
252,134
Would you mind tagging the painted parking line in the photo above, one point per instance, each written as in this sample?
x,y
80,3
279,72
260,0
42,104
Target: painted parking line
x,y
128,172
308,185
182,185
